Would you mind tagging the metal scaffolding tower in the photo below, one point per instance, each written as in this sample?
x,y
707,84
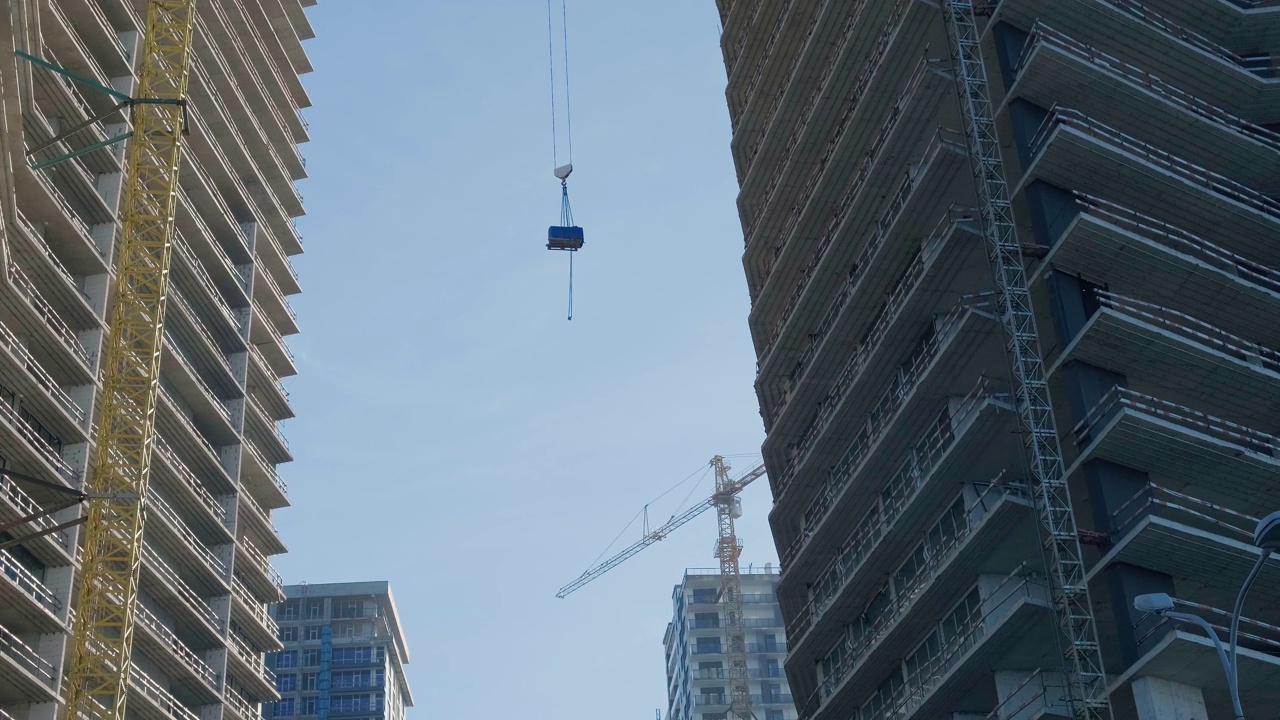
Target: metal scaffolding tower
x,y
1087,688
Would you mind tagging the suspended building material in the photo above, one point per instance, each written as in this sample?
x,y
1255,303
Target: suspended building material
x,y
566,235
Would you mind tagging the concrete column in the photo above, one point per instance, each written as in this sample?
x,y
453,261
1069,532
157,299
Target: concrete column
x,y
1024,695
1159,699
1136,636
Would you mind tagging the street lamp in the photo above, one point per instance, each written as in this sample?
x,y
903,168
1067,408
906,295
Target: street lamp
x,y
1266,538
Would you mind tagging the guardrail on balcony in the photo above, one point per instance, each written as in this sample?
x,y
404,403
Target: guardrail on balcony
x,y
37,239
266,464
39,374
262,562
967,633
168,703
12,647
252,658
1041,33
835,578
271,283
66,206
879,419
771,115
1038,690
271,328
185,362
266,370
10,491
272,425
38,444
186,422
189,538
190,479
257,608
203,277
177,647
47,313
240,705
745,96
189,596
1182,241
1140,12
1252,633
1220,184
1192,329
28,583
1154,498
853,101
734,51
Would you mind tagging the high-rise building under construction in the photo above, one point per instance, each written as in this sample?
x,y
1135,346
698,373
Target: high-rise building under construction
x,y
202,624
1016,307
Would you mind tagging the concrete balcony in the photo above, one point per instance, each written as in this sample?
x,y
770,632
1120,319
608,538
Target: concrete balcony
x,y
282,68
969,442
258,475
215,202
155,703
1075,152
48,272
26,604
208,410
1241,25
265,433
966,341
1141,37
22,373
949,259
188,551
258,526
1056,69
173,421
745,23
188,492
99,36
1181,448
195,619
266,388
71,180
966,551
1015,628
191,679
273,258
269,297
25,677
27,451
245,663
1115,247
198,341
57,96
53,549
251,617
240,708
1182,359
255,571
837,127
204,296
1201,543
65,47
852,294
51,337
264,335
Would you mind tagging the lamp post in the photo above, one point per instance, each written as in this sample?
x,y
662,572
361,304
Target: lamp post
x,y
1267,539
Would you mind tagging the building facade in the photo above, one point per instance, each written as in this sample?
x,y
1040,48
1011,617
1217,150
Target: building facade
x,y
1017,324
202,621
344,654
697,682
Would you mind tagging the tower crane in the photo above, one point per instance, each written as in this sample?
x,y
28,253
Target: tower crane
x,y
98,673
728,550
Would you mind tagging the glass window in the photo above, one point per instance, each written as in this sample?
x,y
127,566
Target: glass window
x,y
285,706
287,682
308,706
312,632
308,681
287,611
315,609
288,634
311,658
705,595
287,659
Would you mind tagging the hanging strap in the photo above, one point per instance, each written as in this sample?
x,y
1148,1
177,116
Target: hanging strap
x,y
571,284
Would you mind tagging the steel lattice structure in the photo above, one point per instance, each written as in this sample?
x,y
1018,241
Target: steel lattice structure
x,y
728,549
105,610
1086,677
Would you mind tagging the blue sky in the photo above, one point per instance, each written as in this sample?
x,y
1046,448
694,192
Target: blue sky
x,y
455,435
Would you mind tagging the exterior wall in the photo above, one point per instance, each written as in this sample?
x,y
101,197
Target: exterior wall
x,y
343,656
203,626
1140,151
697,688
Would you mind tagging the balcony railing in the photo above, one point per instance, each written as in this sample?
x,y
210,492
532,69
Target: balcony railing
x,y
1119,398
266,370
28,583
1141,13
189,596
47,313
38,444
266,464
160,696
185,421
240,705
1192,329
10,491
39,374
67,208
257,608
177,647
1041,33
880,418
1253,633
272,425
189,538
252,658
1153,499
37,239
744,98
25,657
262,563
215,346
190,479
1182,241
1192,173
202,275
190,367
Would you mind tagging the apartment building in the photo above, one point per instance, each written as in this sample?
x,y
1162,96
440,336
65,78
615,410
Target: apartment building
x,y
696,648
344,653
1130,165
202,621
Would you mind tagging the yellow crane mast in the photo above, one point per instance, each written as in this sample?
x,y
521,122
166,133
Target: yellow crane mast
x,y
99,671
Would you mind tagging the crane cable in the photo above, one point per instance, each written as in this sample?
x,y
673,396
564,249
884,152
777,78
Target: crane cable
x,y
566,217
